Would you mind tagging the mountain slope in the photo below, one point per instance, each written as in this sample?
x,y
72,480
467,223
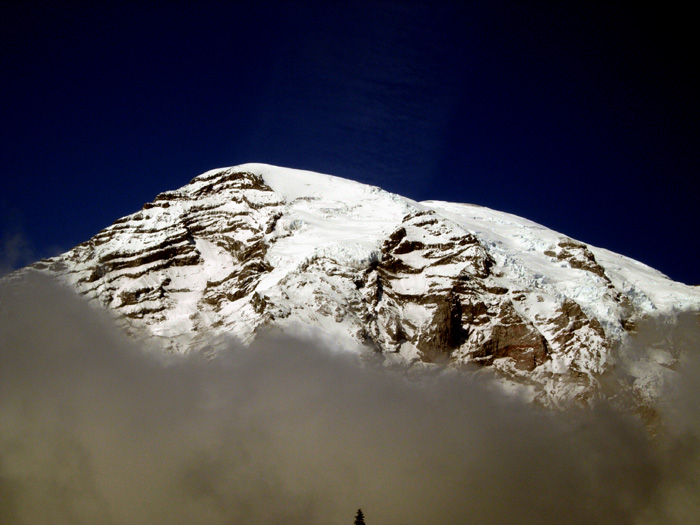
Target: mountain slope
x,y
245,249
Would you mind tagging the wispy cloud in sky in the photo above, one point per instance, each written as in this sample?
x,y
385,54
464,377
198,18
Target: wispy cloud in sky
x,y
366,79
16,251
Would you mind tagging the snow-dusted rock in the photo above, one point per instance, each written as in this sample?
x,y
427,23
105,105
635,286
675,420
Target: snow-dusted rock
x,y
256,247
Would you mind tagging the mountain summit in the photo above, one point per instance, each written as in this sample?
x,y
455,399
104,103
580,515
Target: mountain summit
x,y
246,249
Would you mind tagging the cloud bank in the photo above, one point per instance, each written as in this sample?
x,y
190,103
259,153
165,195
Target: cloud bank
x,y
96,429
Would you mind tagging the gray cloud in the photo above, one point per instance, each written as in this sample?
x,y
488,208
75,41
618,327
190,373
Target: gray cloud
x,y
96,429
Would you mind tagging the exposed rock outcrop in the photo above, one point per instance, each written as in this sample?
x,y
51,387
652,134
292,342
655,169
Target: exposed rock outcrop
x,y
242,249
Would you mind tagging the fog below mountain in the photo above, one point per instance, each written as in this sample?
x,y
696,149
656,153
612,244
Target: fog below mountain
x,y
95,428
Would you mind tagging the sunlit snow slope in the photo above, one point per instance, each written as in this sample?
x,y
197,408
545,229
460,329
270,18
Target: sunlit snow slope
x,y
246,249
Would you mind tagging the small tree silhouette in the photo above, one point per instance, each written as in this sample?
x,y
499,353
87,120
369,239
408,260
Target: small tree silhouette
x,y
359,518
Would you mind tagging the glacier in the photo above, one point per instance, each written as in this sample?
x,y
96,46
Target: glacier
x,y
254,248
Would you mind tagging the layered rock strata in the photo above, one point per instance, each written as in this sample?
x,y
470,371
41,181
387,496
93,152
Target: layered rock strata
x,y
245,249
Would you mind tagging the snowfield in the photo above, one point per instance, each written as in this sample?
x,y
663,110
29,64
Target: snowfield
x,y
253,248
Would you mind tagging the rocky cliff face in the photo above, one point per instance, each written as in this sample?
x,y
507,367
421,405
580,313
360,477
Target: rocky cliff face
x,y
254,247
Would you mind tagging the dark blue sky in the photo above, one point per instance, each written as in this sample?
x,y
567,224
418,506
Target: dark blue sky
x,y
583,117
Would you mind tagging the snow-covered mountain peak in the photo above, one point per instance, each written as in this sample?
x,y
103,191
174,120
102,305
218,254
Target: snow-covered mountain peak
x,y
253,247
